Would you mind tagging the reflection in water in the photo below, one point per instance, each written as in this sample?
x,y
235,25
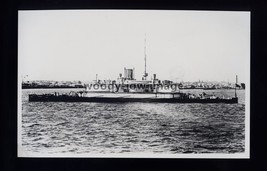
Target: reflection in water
x,y
133,127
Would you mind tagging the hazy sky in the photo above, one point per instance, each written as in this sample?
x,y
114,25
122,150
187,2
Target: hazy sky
x,y
181,45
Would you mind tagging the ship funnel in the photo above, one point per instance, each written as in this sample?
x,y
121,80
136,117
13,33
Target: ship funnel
x,y
129,74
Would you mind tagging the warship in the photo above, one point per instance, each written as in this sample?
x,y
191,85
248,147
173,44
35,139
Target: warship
x,y
128,89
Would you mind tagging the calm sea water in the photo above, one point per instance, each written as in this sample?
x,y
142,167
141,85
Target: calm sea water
x,y
103,128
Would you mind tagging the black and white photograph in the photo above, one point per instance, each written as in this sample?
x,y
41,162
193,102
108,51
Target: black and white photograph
x,y
133,84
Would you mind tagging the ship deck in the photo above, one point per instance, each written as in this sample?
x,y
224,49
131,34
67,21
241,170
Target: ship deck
x,y
123,99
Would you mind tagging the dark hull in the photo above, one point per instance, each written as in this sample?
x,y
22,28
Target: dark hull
x,y
66,98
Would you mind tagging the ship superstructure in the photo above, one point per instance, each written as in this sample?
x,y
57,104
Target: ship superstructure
x,y
127,83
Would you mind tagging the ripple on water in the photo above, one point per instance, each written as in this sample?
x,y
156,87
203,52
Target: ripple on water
x,y
132,127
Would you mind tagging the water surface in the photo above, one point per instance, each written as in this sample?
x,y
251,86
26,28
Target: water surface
x,y
103,128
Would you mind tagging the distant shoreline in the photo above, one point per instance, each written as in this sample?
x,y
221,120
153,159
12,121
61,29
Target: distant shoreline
x,y
43,87
83,87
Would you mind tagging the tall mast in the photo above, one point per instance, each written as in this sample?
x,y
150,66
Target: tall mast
x,y
145,54
145,74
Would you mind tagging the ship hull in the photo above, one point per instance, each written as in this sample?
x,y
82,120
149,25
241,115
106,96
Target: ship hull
x,y
67,98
